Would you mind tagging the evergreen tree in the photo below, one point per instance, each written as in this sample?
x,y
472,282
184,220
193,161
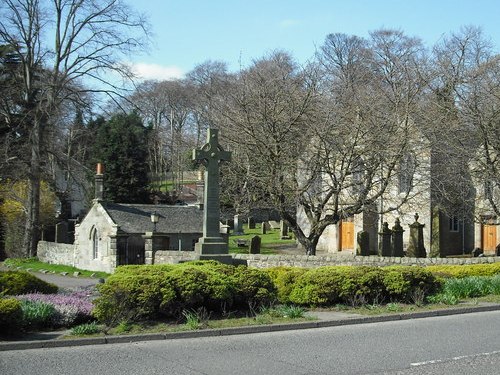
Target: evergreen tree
x,y
121,145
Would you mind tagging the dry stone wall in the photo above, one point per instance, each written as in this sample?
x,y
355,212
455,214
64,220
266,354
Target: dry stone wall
x,y
56,253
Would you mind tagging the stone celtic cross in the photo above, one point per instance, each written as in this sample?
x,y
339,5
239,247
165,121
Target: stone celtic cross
x,y
211,154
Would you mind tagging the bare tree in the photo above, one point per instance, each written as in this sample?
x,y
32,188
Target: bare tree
x,y
464,122
60,44
368,124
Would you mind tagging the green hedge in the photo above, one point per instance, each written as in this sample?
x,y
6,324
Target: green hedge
x,y
466,270
11,315
284,279
146,292
20,282
358,285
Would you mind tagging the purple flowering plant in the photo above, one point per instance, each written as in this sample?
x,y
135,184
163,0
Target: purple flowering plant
x,y
72,307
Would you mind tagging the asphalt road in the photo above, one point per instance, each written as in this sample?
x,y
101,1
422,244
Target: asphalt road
x,y
457,344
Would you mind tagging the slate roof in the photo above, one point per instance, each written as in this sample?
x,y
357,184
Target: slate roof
x,y
136,218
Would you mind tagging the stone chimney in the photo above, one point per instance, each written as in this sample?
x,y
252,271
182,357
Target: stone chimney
x,y
99,183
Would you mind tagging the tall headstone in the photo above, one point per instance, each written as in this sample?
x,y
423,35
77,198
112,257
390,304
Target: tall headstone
x,y
284,230
397,239
363,240
211,245
263,227
385,241
416,247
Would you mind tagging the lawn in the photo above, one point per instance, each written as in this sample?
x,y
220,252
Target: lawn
x,y
270,242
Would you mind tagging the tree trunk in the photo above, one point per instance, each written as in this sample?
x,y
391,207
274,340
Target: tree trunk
x,y
32,224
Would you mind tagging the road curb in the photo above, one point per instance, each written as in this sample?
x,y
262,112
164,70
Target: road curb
x,y
40,344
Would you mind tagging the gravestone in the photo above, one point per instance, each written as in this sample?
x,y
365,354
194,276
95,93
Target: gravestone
x,y
212,245
255,245
284,230
363,240
263,228
251,223
385,241
274,224
397,239
238,225
416,247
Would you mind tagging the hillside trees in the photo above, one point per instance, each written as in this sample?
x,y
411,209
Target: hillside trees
x,y
121,145
59,44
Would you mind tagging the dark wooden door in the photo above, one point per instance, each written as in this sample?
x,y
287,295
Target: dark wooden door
x,y
130,250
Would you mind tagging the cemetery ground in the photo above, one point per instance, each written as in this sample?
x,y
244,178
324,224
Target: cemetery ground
x,y
466,289
270,242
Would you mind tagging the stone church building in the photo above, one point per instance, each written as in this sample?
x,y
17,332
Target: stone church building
x,y
114,234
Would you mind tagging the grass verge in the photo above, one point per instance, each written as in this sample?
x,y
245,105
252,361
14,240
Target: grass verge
x,y
36,265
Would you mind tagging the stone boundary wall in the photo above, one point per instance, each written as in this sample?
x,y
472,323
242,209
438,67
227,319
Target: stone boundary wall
x,y
309,261
56,253
172,256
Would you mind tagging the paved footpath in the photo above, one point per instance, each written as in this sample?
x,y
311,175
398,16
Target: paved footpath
x,y
65,282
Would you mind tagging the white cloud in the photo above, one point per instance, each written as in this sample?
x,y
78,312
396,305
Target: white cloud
x,y
155,71
285,24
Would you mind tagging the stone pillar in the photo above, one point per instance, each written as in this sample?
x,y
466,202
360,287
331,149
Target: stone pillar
x,y
416,247
255,245
397,239
363,240
113,252
148,248
385,249
238,225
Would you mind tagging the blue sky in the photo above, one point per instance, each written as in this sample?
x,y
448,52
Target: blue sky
x,y
189,32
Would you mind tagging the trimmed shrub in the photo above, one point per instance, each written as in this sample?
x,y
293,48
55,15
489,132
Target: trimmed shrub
x,y
20,282
130,297
409,283
11,315
194,286
253,287
284,279
359,285
146,292
320,286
